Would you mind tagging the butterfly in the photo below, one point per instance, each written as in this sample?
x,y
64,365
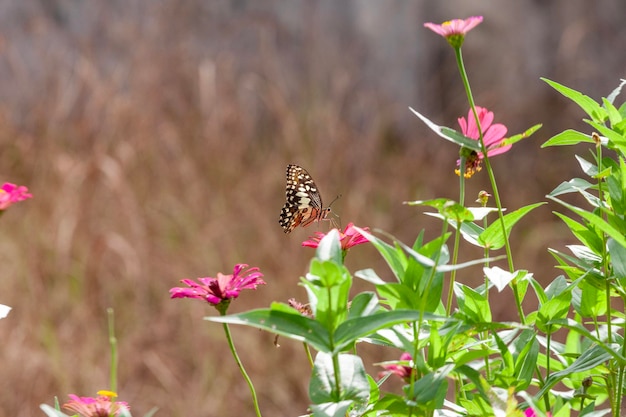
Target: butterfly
x,y
304,203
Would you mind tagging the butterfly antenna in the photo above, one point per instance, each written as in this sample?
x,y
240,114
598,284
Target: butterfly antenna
x,y
336,198
335,223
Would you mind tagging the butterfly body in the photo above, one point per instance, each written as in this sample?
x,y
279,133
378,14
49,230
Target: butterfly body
x,y
303,204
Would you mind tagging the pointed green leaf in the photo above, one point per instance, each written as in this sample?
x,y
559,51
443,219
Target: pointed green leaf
x,y
351,330
567,138
589,359
493,236
284,323
516,138
353,383
595,220
586,103
587,236
393,255
618,258
338,409
450,134
329,248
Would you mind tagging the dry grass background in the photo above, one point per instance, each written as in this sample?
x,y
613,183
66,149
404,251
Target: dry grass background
x,y
154,136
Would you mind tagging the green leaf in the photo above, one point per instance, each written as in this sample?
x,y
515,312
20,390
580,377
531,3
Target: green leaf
x,y
613,113
567,138
329,248
611,98
493,236
353,383
393,255
580,329
618,258
516,138
370,276
338,409
588,301
586,103
587,236
364,304
589,359
554,309
501,278
595,221
351,330
450,134
472,304
430,390
328,286
448,209
614,138
574,185
288,324
526,363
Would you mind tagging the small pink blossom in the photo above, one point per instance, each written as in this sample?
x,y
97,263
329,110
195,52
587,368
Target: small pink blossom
x,y
349,237
529,412
221,289
493,137
11,194
455,30
400,369
101,406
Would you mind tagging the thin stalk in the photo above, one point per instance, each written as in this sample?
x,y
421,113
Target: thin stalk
x,y
307,350
113,345
229,338
492,179
332,347
457,237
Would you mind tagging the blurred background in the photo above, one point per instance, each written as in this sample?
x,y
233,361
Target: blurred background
x,y
154,136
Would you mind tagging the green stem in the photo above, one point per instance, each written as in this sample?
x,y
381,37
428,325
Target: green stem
x,y
307,350
113,344
492,178
455,256
457,237
331,336
241,368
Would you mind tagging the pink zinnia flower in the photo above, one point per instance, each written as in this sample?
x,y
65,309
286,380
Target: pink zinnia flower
x,y
11,194
493,137
349,237
101,406
455,30
222,289
403,371
529,412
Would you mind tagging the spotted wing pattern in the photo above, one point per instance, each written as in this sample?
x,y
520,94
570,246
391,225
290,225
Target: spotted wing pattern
x,y
304,203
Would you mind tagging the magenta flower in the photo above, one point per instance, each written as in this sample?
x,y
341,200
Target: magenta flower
x,y
101,406
349,237
493,137
401,368
455,30
529,412
222,289
11,194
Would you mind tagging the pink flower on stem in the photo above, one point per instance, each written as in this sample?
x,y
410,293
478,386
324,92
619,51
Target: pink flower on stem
x,y
455,30
493,137
101,406
219,291
403,371
349,237
529,412
11,194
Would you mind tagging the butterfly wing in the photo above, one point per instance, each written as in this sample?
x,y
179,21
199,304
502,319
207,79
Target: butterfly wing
x,y
303,203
